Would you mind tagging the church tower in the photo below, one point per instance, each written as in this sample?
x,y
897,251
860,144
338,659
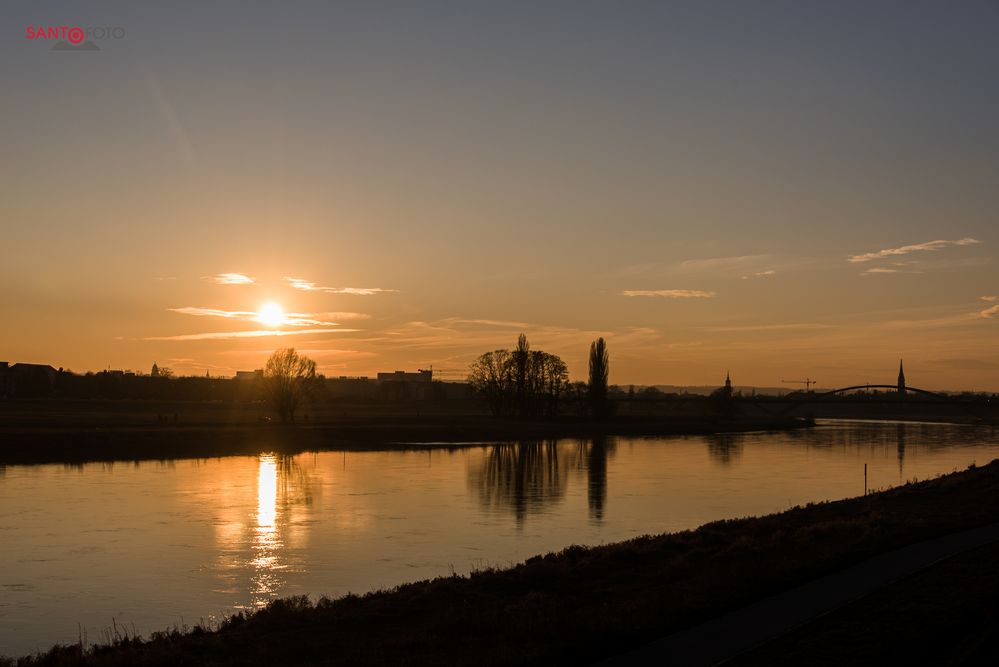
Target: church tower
x,y
901,379
728,383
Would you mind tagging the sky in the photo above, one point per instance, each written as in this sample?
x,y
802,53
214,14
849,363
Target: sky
x,y
776,189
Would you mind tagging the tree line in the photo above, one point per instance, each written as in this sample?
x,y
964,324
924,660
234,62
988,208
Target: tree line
x,y
516,383
530,383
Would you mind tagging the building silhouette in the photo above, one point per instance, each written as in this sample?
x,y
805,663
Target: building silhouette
x,y
420,376
901,379
31,380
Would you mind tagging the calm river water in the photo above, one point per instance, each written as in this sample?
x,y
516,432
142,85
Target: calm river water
x,y
155,544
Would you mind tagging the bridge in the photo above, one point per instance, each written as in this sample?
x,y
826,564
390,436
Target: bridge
x,y
902,391
899,400
900,388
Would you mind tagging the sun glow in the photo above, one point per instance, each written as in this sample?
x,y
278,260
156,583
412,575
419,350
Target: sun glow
x,y
271,314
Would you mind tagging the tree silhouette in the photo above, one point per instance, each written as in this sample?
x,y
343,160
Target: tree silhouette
x,y
524,382
289,379
491,375
521,361
596,394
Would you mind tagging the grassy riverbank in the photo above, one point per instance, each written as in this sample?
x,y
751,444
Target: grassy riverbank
x,y
946,615
577,605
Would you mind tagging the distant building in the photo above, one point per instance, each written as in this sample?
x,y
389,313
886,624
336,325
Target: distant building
x,y
901,379
30,379
402,386
351,387
249,376
723,392
421,376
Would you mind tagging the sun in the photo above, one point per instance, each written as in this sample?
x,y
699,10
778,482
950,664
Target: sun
x,y
271,314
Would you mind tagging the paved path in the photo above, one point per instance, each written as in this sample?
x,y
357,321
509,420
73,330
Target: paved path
x,y
734,633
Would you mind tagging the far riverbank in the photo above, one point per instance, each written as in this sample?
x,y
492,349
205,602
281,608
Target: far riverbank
x,y
121,440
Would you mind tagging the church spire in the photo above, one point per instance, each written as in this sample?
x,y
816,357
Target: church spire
x,y
901,379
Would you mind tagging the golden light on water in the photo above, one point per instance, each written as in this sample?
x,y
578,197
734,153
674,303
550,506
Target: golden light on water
x,y
266,542
267,493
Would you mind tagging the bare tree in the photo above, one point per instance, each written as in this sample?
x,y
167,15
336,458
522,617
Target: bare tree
x,y
599,373
524,382
289,378
521,358
553,380
492,376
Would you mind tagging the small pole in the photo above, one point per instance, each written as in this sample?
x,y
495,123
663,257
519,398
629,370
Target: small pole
x,y
865,479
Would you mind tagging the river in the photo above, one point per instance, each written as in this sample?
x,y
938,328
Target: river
x,y
153,544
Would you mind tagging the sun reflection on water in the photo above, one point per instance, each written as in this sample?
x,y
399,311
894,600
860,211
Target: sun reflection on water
x,y
266,563
266,493
261,527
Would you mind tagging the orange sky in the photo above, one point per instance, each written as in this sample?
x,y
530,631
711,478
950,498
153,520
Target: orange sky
x,y
782,192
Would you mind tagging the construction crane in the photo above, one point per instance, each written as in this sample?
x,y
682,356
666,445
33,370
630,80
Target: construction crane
x,y
808,382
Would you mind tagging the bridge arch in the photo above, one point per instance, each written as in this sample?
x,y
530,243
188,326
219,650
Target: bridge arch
x,y
843,390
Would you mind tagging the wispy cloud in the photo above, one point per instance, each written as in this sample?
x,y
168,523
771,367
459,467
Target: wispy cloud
x,y
877,270
230,279
957,319
214,312
745,267
360,291
259,333
308,286
990,298
459,340
715,264
290,319
803,326
492,323
335,353
761,274
907,249
670,293
990,312
340,315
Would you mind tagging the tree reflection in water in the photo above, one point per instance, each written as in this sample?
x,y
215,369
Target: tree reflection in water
x,y
900,447
527,477
524,477
725,448
593,456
